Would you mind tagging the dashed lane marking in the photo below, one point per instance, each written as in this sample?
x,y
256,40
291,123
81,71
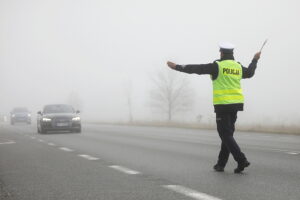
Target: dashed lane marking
x,y
8,142
51,144
40,140
124,170
88,157
65,149
190,193
33,138
293,153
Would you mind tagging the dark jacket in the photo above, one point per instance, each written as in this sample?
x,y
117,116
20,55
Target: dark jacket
x,y
213,70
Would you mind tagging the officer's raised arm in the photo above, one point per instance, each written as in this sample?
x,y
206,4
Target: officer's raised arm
x,y
250,71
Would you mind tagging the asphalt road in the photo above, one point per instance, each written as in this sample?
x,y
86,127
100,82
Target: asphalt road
x,y
119,162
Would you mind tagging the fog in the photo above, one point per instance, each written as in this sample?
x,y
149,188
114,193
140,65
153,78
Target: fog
x,y
97,49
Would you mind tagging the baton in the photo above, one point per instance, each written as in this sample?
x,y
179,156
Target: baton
x,y
263,45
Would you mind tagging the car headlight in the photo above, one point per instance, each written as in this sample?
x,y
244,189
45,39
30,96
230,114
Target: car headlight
x,y
76,119
29,115
46,119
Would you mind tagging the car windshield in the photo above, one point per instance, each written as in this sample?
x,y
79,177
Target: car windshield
x,y
58,109
20,110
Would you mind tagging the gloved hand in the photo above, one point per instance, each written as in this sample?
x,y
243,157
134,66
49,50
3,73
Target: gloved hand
x,y
257,56
171,65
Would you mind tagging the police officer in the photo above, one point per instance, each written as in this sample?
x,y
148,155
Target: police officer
x,y
228,99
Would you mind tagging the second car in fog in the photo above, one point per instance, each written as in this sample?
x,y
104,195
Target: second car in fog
x,y
58,117
20,114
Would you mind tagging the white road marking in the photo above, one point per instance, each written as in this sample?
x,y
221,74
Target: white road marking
x,y
40,140
51,144
33,138
271,149
8,142
214,143
65,149
293,153
124,170
190,193
88,157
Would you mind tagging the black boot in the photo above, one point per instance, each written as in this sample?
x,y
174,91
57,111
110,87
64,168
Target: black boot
x,y
218,168
241,166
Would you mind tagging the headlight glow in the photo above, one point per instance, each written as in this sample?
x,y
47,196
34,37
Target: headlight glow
x,y
29,115
46,119
76,119
13,115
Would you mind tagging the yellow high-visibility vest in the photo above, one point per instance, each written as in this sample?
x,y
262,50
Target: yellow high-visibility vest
x,y
227,87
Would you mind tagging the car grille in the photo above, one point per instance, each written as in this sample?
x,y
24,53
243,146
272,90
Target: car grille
x,y
61,121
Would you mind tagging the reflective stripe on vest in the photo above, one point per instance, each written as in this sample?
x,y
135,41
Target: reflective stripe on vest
x,y
227,88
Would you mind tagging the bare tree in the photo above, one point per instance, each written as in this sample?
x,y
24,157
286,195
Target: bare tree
x,y
128,94
171,94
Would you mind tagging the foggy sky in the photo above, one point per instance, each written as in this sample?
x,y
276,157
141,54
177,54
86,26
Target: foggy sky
x,y
95,48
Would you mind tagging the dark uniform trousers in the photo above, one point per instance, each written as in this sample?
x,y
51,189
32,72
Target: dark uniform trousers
x,y
226,127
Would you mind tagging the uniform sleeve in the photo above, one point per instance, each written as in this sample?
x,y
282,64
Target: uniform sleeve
x,y
250,71
210,68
